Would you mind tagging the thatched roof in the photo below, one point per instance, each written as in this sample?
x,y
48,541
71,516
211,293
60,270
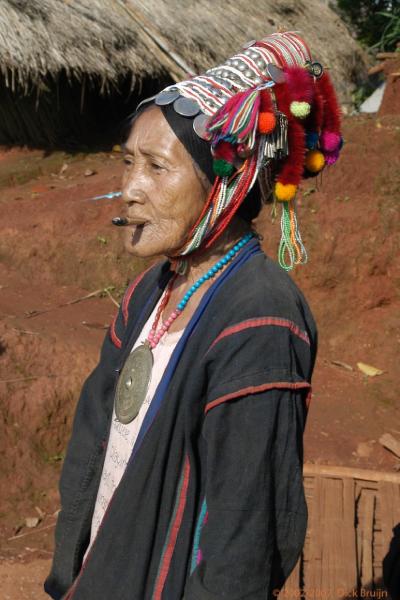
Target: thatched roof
x,y
109,39
81,37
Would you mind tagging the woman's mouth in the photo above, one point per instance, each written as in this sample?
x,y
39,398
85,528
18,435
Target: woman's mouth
x,y
136,222
137,230
124,221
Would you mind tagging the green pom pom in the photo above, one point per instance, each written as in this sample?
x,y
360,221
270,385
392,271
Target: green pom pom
x,y
222,168
301,110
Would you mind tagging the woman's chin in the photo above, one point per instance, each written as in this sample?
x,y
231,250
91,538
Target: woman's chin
x,y
137,243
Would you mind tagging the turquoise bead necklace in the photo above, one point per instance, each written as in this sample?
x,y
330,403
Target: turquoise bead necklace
x,y
155,336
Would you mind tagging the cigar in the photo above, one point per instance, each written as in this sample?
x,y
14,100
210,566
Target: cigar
x,y
120,221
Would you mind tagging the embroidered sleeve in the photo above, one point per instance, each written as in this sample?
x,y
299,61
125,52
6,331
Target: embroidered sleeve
x,y
254,516
251,526
257,355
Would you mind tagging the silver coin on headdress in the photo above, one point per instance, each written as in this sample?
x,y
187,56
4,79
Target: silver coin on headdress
x,y
186,107
223,82
167,97
317,69
200,127
276,73
145,101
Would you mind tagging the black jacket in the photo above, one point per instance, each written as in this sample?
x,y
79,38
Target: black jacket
x,y
212,503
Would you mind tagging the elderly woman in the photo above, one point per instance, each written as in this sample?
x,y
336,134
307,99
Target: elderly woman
x,y
183,476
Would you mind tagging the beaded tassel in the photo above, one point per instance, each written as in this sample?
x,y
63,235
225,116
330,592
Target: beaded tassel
x,y
291,246
237,120
225,197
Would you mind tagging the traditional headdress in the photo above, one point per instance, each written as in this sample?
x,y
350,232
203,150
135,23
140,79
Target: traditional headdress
x,y
270,114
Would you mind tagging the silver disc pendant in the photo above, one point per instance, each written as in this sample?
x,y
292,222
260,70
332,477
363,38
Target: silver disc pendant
x,y
133,383
276,73
167,97
186,107
200,127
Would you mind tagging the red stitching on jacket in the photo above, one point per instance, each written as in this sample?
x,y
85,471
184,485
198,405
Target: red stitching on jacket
x,y
130,290
258,323
173,534
115,339
252,389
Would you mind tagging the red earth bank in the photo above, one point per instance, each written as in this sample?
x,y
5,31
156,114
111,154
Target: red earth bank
x,y
57,246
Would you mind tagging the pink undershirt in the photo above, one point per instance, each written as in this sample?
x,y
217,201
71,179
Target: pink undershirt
x,y
123,437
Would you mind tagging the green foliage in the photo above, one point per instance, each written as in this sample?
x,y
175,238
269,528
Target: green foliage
x,y
391,33
376,22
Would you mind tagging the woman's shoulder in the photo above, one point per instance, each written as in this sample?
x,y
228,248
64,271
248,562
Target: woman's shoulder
x,y
261,288
262,330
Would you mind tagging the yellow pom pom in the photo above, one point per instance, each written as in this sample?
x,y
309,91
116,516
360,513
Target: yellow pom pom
x,y
285,191
315,161
301,110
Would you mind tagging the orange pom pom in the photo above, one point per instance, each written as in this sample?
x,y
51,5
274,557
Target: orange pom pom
x,y
285,191
315,161
266,122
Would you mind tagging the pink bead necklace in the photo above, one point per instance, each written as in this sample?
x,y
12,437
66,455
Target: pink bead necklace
x,y
154,335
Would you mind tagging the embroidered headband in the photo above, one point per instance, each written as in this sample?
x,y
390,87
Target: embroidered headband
x,y
268,111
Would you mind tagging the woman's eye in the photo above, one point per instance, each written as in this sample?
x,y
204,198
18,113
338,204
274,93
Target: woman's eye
x,y
157,167
128,161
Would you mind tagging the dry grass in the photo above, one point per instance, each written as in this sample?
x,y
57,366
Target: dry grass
x,y
92,39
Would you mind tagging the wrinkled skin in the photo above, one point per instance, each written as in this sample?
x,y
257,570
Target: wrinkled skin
x,y
160,186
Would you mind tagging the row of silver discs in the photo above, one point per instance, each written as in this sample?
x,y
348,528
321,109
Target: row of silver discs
x,y
203,95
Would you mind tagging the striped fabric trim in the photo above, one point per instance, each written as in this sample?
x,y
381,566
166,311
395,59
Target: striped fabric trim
x,y
130,290
114,338
259,322
196,552
253,389
173,531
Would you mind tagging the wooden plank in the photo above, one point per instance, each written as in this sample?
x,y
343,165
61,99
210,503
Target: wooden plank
x,y
355,473
339,566
342,549
378,540
348,531
366,520
389,496
313,564
331,516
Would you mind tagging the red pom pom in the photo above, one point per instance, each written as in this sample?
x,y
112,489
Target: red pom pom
x,y
292,167
225,151
331,110
315,122
266,122
300,84
265,102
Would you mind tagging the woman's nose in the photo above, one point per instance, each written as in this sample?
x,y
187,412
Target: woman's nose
x,y
131,193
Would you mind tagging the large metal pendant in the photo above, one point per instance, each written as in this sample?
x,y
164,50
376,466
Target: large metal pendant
x,y
133,383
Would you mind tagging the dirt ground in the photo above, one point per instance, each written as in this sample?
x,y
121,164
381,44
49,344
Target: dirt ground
x,y
58,246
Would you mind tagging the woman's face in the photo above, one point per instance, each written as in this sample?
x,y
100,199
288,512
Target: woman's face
x,y
160,187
